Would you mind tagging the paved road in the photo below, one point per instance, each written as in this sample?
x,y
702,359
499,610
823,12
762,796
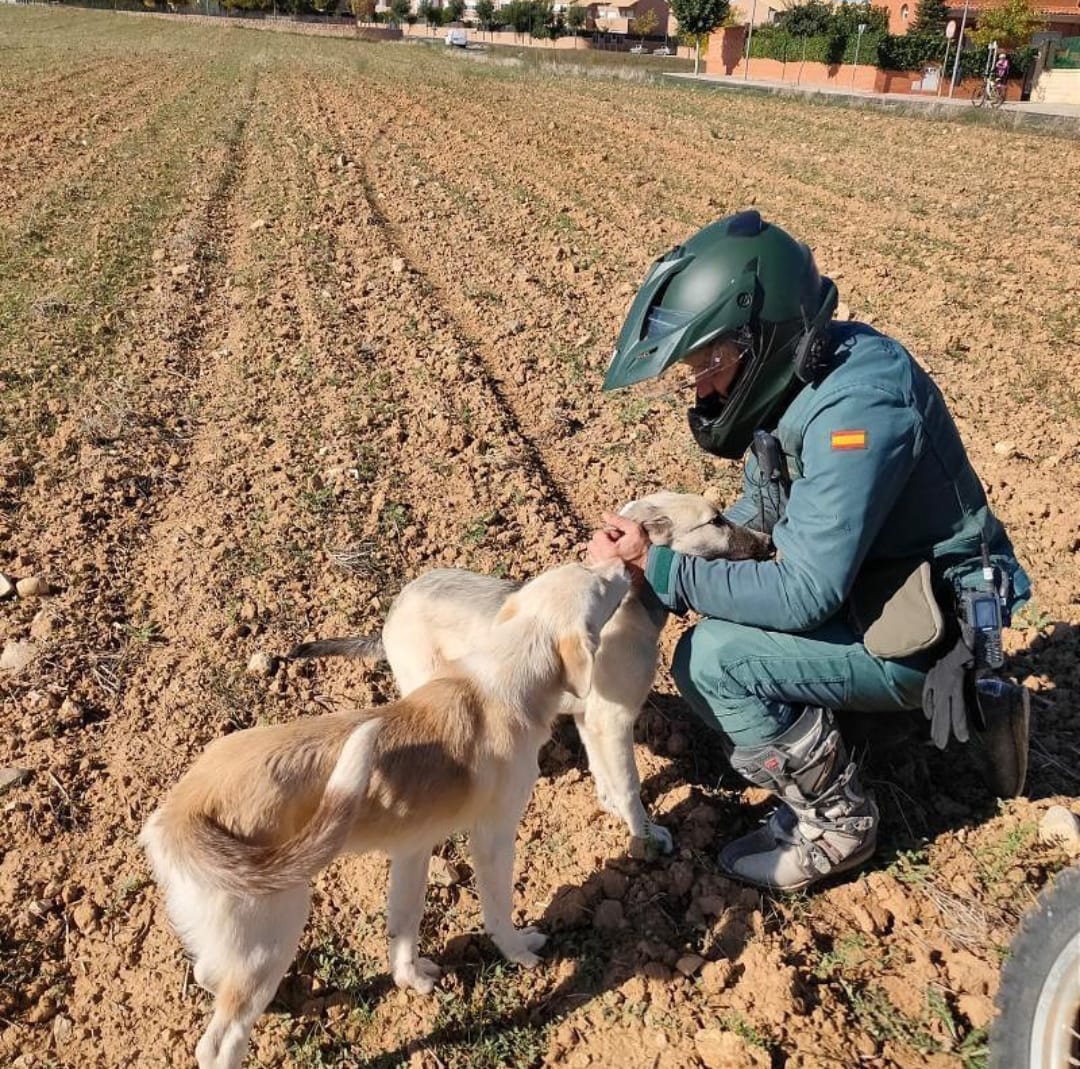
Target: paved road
x,y
1023,110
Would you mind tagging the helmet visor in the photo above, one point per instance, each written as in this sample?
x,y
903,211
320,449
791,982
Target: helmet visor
x,y
662,321
710,364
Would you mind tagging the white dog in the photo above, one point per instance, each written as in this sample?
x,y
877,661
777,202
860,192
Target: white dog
x,y
238,839
447,612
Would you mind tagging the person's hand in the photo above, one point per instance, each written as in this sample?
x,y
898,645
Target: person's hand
x,y
620,539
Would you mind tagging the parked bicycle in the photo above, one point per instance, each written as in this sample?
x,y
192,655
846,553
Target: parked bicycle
x,y
991,92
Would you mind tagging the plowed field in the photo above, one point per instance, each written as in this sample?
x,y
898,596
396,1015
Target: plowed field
x,y
285,322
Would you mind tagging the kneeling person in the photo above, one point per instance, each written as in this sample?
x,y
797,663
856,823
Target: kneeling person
x,y
856,469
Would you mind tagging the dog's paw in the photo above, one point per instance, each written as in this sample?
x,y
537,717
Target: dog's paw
x,y
660,837
521,947
655,842
419,975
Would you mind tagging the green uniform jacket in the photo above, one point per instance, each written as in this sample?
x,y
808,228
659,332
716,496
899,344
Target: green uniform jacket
x,y
878,474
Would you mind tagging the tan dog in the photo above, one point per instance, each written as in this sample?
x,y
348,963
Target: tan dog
x,y
443,614
238,839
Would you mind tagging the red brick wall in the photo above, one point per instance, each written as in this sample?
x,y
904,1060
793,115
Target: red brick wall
x,y
901,82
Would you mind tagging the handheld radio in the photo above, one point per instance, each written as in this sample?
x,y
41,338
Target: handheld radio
x,y
982,610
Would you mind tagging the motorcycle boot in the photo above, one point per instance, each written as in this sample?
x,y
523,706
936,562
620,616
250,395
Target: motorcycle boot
x,y
825,825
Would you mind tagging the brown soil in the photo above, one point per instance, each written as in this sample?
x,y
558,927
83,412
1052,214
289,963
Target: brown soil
x,y
287,322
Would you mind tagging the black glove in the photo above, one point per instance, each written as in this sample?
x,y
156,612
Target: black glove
x,y
944,690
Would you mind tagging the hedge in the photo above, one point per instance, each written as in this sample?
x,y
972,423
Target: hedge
x,y
771,43
907,52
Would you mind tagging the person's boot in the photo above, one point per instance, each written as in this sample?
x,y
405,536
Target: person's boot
x,y
825,825
1001,742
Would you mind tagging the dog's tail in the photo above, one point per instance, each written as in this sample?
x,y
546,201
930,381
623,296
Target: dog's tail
x,y
365,648
199,846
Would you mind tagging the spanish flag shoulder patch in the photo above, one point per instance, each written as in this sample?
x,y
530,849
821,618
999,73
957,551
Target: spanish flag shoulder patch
x,y
848,439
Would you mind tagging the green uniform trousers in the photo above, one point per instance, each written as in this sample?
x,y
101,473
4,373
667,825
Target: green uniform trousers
x,y
751,684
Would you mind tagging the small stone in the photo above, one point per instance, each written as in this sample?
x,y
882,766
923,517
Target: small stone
x,y
45,1010
261,664
70,713
259,224
711,905
689,964
608,915
1061,827
43,625
723,1050
32,587
7,587
13,777
614,883
17,655
978,1009
568,908
61,1029
180,270
656,970
1005,449
444,873
397,265
85,916
680,878
716,976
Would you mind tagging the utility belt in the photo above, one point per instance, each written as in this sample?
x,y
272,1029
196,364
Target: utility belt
x,y
901,608
954,610
899,611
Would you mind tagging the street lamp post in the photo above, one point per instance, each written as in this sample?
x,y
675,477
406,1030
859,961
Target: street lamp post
x,y
749,38
858,42
959,47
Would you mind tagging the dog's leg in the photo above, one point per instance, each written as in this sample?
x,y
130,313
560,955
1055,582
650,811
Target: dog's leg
x,y
408,882
597,764
610,727
492,845
258,938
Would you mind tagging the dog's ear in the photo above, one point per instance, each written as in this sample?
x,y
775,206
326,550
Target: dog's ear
x,y
657,524
577,653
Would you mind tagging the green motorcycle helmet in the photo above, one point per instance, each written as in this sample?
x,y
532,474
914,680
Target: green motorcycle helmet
x,y
741,278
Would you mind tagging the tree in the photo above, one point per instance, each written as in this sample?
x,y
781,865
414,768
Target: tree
x,y
930,18
698,18
577,17
363,10
1011,24
399,11
431,13
811,19
644,24
542,19
455,10
519,16
485,15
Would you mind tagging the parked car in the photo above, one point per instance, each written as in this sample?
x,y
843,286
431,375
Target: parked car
x,y
457,37
663,50
639,50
